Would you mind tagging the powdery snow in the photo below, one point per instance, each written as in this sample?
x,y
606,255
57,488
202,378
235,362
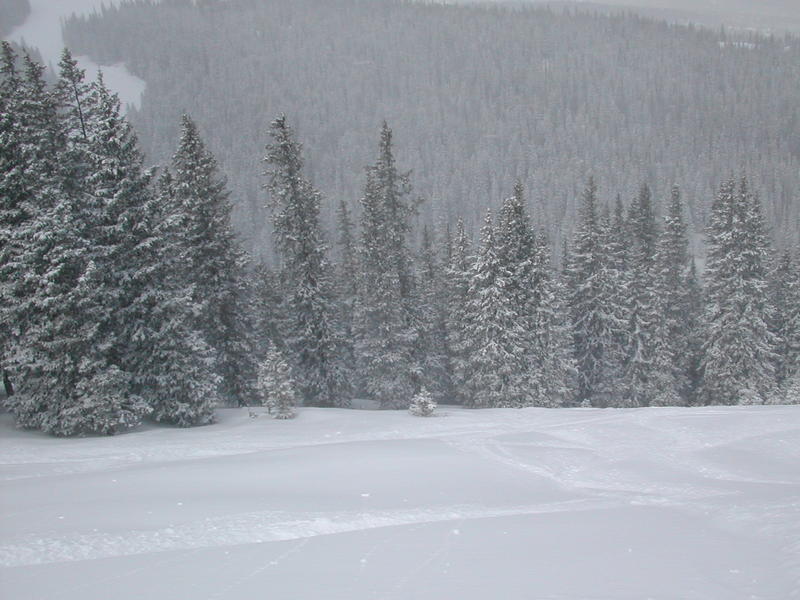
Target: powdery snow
x,y
42,30
509,504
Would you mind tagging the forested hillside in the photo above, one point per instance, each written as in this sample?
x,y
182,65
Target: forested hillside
x,y
477,97
128,296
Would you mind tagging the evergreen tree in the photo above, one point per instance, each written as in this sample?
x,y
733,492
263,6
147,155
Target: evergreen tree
x,y
517,255
696,297
72,91
643,376
347,291
267,309
174,362
31,146
678,318
554,365
214,264
738,359
615,300
276,388
791,390
423,404
457,287
596,311
534,295
434,351
495,348
314,346
83,253
785,324
388,320
9,166
785,327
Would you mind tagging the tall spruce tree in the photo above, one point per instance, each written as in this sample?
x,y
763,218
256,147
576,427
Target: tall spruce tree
x,y
267,307
33,170
215,265
553,361
785,326
642,374
596,310
738,353
387,337
347,292
516,249
174,363
696,297
678,318
496,343
83,256
458,276
29,185
13,199
434,350
534,294
314,345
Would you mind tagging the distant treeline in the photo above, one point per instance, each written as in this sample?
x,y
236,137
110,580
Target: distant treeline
x,y
481,96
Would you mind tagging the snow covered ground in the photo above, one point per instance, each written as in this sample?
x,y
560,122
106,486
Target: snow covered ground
x,y
42,30
492,504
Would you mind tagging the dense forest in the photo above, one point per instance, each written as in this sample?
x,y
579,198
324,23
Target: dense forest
x,y
479,97
125,294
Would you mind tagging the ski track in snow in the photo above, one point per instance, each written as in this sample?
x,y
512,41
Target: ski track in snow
x,y
250,528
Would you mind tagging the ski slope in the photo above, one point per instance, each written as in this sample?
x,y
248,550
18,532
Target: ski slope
x,y
336,504
42,30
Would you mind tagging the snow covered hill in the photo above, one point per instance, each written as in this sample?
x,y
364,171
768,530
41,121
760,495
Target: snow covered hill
x,y
506,504
42,30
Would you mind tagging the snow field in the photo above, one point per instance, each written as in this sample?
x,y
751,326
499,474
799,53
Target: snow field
x,y
514,504
42,30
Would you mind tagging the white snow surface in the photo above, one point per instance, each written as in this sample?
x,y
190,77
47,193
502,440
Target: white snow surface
x,y
42,30
353,504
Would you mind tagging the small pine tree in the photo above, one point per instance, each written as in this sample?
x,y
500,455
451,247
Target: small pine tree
x,y
422,405
276,387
